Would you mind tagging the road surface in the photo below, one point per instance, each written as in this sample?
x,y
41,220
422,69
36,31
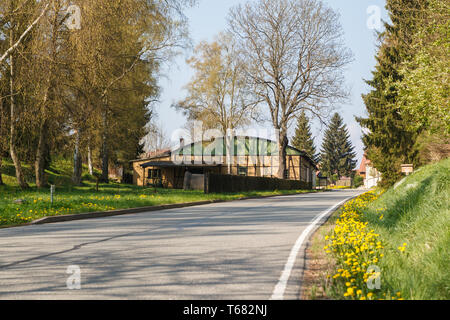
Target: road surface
x,y
251,249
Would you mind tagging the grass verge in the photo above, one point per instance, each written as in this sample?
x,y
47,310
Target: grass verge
x,y
316,284
399,239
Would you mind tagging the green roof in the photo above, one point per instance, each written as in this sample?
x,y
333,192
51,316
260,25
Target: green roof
x,y
243,146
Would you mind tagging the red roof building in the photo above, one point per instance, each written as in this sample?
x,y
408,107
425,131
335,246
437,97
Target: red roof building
x,y
363,167
371,175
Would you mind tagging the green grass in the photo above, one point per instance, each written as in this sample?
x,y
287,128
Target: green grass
x,y
73,200
417,212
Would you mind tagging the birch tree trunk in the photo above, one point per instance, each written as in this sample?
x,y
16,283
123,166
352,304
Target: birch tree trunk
x,y
90,164
105,157
12,142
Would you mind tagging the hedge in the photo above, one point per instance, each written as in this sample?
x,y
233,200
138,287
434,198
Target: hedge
x,y
220,183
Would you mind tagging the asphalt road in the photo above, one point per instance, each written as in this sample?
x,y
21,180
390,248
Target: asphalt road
x,y
234,251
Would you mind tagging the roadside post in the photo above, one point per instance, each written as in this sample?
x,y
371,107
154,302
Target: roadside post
x,y
52,191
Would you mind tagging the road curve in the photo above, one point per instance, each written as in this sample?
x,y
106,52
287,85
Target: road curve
x,y
228,251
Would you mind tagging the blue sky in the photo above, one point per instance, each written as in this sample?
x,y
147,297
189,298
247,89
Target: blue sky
x,y
208,18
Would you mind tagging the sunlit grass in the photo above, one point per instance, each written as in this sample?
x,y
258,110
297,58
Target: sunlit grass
x,y
412,227
416,228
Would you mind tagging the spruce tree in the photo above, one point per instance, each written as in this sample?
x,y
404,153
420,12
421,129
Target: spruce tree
x,y
337,153
389,140
303,139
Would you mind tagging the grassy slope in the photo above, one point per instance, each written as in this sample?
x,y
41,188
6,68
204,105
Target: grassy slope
x,y
59,173
418,214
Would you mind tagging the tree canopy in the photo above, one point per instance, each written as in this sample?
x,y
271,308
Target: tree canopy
x,y
82,88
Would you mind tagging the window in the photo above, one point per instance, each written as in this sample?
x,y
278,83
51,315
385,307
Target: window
x,y
154,174
242,171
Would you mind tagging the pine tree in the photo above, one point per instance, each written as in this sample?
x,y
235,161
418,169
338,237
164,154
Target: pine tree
x,y
303,139
337,154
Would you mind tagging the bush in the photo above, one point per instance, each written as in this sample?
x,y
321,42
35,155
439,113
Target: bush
x,y
358,181
219,183
89,177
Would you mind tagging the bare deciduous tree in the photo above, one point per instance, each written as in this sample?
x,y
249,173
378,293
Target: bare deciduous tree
x,y
219,94
294,56
156,138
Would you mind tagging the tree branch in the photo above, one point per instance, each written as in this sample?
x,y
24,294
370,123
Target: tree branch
x,y
28,30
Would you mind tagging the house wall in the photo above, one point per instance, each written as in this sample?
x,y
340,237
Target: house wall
x,y
172,177
373,177
298,168
138,171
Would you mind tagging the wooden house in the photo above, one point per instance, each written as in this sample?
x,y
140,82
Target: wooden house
x,y
247,156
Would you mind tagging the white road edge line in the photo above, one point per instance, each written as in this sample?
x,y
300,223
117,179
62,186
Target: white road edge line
x,y
280,288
